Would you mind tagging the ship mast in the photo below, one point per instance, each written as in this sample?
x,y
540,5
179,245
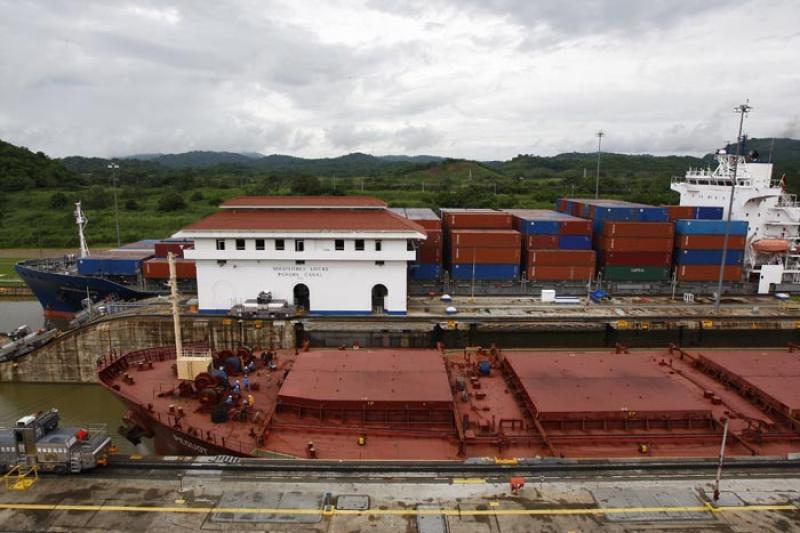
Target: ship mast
x,y
81,221
173,296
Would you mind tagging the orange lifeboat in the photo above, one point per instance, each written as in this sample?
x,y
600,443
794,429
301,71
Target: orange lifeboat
x,y
771,245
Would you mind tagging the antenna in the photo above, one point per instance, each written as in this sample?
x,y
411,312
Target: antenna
x,y
81,221
600,134
742,109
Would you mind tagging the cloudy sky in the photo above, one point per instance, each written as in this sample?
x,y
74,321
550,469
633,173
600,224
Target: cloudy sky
x,y
483,79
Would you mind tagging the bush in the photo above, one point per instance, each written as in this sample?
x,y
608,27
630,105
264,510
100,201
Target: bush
x,y
132,205
197,196
58,200
171,201
96,197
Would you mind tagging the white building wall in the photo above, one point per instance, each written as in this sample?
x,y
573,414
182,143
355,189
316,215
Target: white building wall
x,y
335,287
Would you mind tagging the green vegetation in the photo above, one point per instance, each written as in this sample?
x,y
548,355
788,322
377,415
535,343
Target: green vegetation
x,y
7,272
159,194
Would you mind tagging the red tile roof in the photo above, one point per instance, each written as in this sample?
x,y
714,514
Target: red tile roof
x,y
304,201
306,220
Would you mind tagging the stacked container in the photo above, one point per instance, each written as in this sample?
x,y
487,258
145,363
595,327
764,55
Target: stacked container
x,y
428,265
685,212
698,249
555,246
480,244
633,241
158,266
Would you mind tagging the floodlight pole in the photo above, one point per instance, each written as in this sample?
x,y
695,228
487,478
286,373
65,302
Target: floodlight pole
x,y
721,460
114,167
600,135
742,109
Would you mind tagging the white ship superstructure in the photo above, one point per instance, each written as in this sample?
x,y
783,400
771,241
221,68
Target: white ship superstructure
x,y
773,215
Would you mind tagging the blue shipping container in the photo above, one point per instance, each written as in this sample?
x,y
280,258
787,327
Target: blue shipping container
x,y
653,214
425,271
709,213
708,257
464,271
616,214
91,266
575,242
539,227
709,227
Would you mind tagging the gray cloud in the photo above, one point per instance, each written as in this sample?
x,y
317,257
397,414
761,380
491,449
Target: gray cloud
x,y
481,79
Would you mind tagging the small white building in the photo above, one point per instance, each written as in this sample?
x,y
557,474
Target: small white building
x,y
338,255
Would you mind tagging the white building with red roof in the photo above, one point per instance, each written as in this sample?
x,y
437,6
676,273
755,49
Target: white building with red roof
x,y
333,255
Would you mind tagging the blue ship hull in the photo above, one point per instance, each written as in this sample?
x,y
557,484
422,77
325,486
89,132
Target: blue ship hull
x,y
61,293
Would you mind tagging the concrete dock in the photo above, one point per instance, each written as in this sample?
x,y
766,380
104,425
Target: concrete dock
x,y
218,500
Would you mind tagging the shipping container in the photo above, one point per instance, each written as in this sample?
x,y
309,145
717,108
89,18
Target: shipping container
x,y
176,247
664,230
560,258
708,257
560,273
576,227
485,238
485,255
707,273
652,214
625,273
575,242
490,272
425,217
710,227
677,212
158,268
476,219
429,254
709,213
709,242
635,258
114,263
425,271
541,242
631,244
546,222
434,238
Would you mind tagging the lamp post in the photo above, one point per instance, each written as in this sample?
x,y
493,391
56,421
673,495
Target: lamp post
x,y
742,109
600,135
114,167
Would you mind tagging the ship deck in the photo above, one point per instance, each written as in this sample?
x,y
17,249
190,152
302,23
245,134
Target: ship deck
x,y
395,404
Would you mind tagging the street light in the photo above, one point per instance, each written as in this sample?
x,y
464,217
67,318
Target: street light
x,y
113,167
600,135
742,109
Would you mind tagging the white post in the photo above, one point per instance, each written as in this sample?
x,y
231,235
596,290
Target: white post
x,y
721,459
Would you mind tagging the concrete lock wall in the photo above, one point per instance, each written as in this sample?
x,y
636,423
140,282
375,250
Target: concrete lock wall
x,y
72,358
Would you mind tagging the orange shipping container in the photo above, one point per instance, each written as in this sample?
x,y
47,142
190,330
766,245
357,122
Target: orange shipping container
x,y
429,254
560,273
575,227
503,256
561,258
158,268
499,238
541,242
639,229
708,273
709,242
630,244
477,220
677,212
434,238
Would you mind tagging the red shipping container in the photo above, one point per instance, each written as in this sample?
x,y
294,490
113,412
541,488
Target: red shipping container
x,y
639,229
576,227
562,205
158,268
709,242
708,273
541,242
560,273
500,256
477,220
431,254
162,248
637,258
434,237
561,258
427,223
629,244
678,212
485,238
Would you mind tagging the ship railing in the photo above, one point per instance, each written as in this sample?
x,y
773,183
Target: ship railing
x,y
787,200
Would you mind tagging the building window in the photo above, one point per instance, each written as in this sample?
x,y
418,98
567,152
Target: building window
x,y
240,244
410,245
280,244
299,262
360,245
220,244
299,245
379,263
259,244
378,245
339,244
